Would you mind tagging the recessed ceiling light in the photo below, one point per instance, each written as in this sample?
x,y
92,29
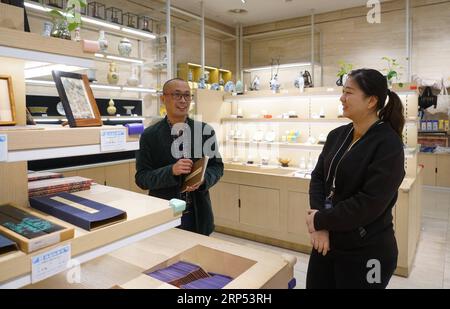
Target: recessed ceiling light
x,y
238,11
243,1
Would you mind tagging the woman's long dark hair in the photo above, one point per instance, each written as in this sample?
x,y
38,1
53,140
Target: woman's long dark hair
x,y
373,83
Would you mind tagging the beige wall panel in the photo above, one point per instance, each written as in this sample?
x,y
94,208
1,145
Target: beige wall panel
x,y
118,176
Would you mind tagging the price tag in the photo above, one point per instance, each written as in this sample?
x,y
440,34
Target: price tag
x,y
3,147
113,140
49,263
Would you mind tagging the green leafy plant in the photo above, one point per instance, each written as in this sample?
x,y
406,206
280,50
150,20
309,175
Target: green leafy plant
x,y
71,14
344,68
392,70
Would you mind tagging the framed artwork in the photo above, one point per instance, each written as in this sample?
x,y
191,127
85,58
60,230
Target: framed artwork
x,y
77,99
7,104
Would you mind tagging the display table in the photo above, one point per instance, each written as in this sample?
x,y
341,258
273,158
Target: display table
x,y
146,216
250,268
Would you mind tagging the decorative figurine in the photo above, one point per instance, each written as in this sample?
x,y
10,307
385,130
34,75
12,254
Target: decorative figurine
x,y
102,41
307,79
239,87
300,82
256,84
113,75
125,47
275,84
111,108
133,80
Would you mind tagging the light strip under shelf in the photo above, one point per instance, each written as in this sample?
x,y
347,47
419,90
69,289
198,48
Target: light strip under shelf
x,y
138,89
36,7
96,86
105,87
94,21
118,58
139,33
281,66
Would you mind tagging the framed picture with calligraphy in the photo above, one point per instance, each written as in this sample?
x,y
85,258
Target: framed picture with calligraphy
x,y
7,104
77,98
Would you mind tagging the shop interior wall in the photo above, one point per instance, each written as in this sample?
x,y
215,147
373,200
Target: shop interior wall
x,y
346,35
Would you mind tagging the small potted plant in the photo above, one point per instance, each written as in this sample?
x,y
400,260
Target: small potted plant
x,y
392,71
344,69
67,20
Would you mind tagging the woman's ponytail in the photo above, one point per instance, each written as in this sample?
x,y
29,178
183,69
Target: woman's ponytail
x,y
392,113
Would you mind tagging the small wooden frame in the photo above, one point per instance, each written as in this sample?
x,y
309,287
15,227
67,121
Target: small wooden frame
x,y
7,103
77,98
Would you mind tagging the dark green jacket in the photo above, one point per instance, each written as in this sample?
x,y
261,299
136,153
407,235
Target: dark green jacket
x,y
154,163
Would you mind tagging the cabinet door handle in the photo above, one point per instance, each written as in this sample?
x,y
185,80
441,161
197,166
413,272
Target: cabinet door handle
x,y
435,170
239,203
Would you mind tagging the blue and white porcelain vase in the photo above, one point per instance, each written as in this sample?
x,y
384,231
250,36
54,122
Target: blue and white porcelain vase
x,y
125,47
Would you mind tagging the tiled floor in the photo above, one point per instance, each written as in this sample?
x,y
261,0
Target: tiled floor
x,y
432,262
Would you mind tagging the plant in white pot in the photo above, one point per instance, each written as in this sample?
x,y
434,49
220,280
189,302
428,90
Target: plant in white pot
x,y
344,69
392,71
67,20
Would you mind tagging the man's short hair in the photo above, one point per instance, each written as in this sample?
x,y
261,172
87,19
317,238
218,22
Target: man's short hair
x,y
166,84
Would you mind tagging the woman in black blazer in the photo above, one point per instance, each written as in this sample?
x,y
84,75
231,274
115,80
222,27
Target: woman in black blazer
x,y
354,188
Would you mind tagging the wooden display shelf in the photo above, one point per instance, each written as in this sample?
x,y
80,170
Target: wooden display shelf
x,y
53,136
214,73
146,216
251,268
35,42
56,142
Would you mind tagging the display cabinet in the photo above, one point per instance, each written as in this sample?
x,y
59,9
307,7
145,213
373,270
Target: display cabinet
x,y
258,198
192,72
146,215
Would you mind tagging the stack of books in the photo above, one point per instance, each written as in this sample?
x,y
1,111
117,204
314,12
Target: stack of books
x,y
57,185
190,276
216,281
34,176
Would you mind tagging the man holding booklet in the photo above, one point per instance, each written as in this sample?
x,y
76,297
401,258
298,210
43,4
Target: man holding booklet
x,y
179,158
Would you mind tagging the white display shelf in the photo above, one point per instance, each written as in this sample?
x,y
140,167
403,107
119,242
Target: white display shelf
x,y
319,120
55,119
61,152
108,57
93,23
96,86
279,144
411,120
50,141
283,95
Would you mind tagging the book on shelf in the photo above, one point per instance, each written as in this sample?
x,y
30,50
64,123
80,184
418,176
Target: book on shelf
x,y
70,189
34,176
7,245
197,174
82,212
31,231
54,183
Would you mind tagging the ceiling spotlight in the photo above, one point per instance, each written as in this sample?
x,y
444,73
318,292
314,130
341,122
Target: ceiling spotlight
x,y
238,11
243,1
